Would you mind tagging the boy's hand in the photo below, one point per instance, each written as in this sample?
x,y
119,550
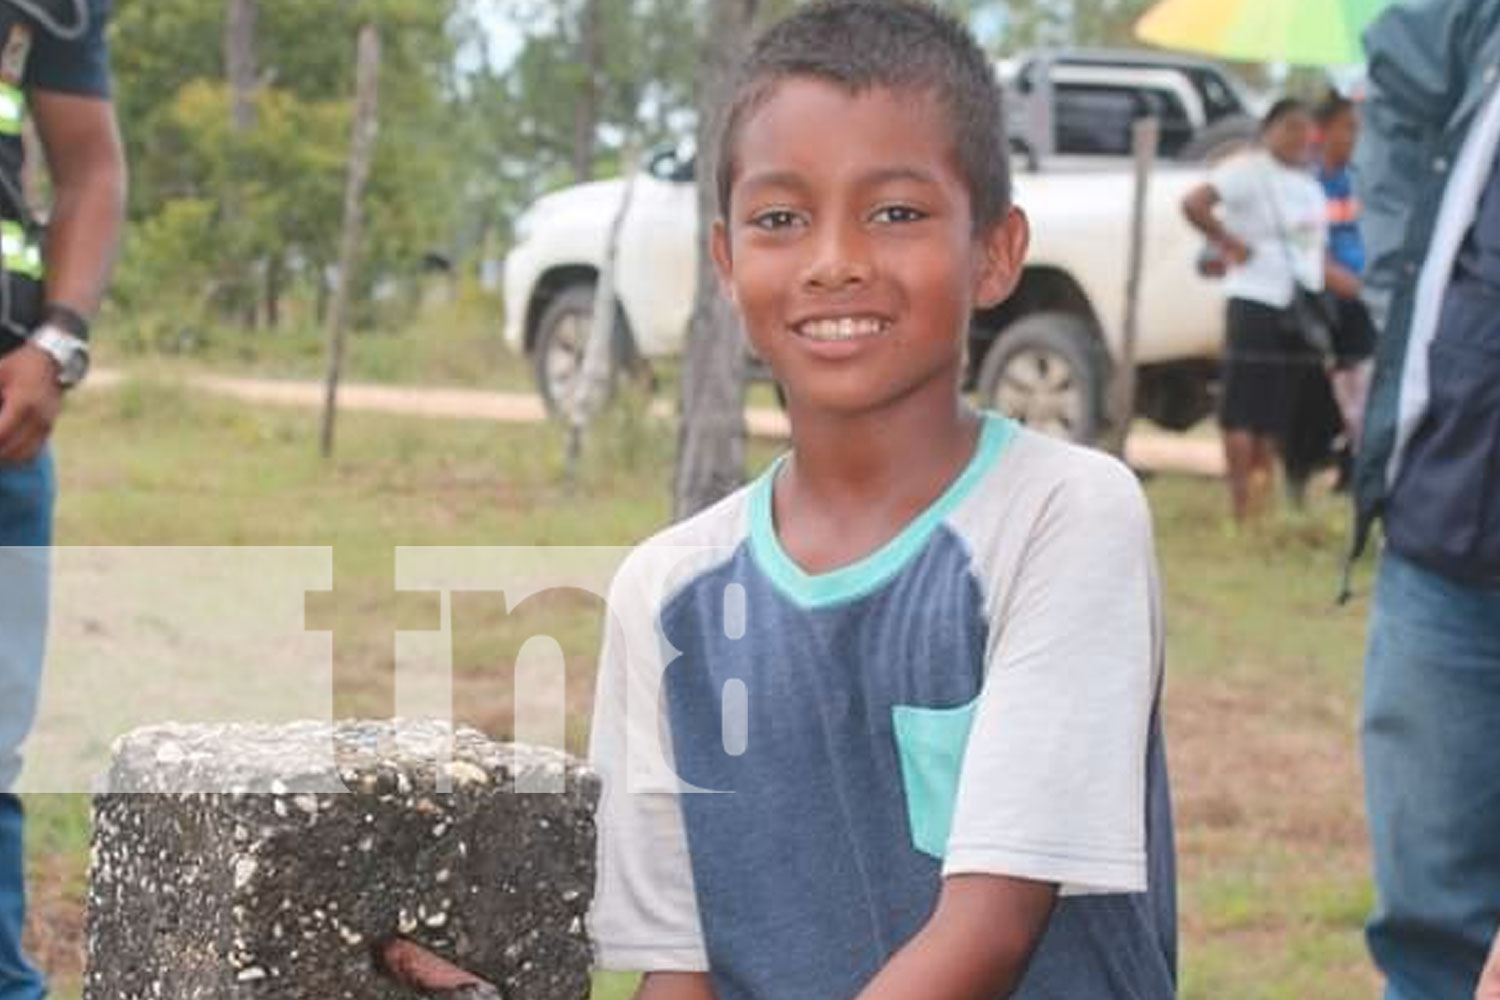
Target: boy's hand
x,y
1489,981
976,944
675,986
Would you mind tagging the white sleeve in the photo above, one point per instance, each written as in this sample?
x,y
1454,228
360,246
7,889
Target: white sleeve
x,y
1053,783
645,913
1235,181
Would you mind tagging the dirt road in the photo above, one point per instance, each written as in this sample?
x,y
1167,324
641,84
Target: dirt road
x,y
1156,452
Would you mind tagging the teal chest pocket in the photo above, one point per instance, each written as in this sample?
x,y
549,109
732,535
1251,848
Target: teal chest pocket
x,y
930,743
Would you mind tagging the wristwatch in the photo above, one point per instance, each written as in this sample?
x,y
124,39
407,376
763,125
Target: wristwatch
x,y
70,353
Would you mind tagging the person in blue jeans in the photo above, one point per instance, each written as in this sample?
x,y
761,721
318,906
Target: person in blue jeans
x,y
1429,176
54,67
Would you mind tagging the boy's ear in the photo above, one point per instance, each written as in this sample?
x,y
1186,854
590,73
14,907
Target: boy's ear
x,y
718,247
1002,254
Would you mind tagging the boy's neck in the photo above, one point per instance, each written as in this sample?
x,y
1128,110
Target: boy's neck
x,y
853,482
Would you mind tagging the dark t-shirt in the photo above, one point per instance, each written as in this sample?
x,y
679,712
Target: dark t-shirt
x,y
69,65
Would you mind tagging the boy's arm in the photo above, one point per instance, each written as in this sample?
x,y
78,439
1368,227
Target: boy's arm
x,y
675,986
975,946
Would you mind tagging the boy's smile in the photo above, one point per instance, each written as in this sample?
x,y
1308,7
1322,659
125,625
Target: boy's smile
x,y
850,248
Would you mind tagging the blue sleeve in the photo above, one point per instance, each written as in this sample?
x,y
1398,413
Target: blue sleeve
x,y
72,66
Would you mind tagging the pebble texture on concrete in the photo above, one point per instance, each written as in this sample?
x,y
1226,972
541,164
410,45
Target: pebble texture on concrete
x,y
225,866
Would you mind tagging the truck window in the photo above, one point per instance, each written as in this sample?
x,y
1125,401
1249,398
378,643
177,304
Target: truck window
x,y
1218,100
1095,120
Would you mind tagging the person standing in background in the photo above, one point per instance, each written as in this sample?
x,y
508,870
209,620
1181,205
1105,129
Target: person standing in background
x,y
1428,173
54,65
1354,334
1265,216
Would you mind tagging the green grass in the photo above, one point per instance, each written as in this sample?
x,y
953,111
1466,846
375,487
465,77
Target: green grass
x,y
1263,666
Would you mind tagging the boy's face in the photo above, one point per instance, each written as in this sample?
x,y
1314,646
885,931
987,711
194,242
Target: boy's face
x,y
849,247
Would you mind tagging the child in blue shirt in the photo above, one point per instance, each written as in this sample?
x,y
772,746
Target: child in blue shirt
x,y
885,723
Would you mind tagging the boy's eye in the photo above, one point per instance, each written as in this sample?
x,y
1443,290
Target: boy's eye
x,y
774,218
898,214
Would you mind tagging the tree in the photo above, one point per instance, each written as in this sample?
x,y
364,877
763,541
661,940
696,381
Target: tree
x,y
361,151
586,105
711,435
239,60
234,113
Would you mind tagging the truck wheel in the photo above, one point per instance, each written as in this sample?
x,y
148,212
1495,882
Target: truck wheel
x,y
1044,370
557,354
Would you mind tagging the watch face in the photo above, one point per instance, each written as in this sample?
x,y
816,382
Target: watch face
x,y
75,368
70,354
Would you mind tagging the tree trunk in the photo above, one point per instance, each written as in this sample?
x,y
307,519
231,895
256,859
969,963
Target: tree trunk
x,y
361,152
711,435
591,383
275,279
586,107
239,61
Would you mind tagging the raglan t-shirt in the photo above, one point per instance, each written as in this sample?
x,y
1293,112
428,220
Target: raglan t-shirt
x,y
792,762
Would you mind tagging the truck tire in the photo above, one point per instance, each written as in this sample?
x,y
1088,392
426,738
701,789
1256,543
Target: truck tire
x,y
1221,140
557,353
1045,371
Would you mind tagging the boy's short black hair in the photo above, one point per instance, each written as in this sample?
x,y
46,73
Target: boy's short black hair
x,y
905,45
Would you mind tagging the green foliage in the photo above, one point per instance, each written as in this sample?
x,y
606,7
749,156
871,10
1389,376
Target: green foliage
x,y
236,228
225,219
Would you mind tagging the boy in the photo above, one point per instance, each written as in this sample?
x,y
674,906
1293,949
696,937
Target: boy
x,y
883,724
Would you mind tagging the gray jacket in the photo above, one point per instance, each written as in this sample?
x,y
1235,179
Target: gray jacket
x,y
1433,66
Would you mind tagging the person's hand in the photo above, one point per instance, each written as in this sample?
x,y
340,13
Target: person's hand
x,y
1341,281
30,400
1489,980
1235,250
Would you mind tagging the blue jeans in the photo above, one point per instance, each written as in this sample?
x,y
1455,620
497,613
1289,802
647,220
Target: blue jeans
x,y
1431,740
26,494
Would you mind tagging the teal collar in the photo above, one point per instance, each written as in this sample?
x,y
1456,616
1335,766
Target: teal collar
x,y
868,574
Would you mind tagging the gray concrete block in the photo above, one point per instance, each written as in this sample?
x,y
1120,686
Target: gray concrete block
x,y
227,864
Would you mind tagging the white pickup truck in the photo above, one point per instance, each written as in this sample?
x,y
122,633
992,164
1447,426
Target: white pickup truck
x,y
1044,356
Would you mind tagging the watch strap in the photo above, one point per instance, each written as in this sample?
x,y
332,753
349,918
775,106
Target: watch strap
x,y
66,319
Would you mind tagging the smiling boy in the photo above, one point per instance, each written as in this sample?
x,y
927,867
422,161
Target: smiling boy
x,y
908,680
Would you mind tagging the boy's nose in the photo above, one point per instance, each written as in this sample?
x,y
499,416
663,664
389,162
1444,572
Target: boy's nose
x,y
840,259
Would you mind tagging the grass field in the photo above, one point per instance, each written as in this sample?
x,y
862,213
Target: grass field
x,y
1263,668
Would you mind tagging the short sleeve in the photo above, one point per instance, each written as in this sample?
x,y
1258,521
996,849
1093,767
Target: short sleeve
x,y
1234,180
645,914
1053,782
77,66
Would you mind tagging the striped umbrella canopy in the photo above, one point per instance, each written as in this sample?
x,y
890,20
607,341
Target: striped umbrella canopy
x,y
1296,32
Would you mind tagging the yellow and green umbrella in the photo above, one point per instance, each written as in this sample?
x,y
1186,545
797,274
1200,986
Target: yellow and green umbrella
x,y
1297,32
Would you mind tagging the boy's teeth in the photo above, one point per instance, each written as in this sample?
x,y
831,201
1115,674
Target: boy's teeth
x,y
846,328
